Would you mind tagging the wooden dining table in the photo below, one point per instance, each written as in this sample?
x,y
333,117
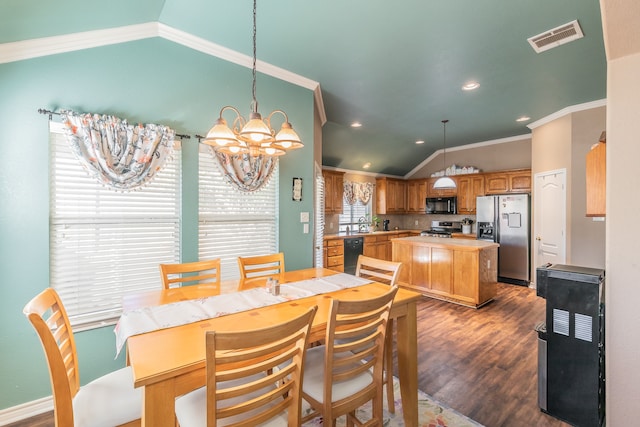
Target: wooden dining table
x,y
171,362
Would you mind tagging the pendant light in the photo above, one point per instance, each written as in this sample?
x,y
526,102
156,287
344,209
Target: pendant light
x,y
255,136
444,182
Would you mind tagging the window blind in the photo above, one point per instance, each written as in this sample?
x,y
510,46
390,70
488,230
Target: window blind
x,y
352,213
106,244
234,223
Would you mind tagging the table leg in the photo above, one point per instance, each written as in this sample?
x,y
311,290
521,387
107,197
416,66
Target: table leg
x,y
407,346
158,405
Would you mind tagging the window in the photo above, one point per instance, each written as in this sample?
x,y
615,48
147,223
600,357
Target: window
x,y
234,223
106,244
351,215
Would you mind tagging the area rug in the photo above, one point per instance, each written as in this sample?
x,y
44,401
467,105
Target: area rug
x,y
431,413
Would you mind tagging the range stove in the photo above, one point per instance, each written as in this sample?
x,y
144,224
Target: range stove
x,y
443,229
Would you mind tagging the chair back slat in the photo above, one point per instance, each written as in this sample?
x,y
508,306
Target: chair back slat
x,y
262,266
355,341
255,375
378,270
49,318
201,272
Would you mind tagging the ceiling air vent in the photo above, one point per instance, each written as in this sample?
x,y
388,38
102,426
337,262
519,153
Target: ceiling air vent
x,y
555,37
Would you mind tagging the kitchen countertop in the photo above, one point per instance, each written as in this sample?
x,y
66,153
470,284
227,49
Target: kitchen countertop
x,y
344,235
459,244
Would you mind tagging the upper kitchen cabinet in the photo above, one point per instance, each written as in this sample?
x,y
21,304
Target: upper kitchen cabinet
x,y
416,195
439,192
333,191
390,196
596,179
513,181
469,187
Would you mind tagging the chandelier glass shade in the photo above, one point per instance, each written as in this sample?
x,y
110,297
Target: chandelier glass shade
x,y
444,182
256,135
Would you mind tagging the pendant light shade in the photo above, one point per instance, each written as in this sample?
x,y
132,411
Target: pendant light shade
x,y
444,182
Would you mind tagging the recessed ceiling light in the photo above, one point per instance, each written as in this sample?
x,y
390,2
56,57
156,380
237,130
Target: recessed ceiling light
x,y
523,118
356,124
420,142
470,86
366,165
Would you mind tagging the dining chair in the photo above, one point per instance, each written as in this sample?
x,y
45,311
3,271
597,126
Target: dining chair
x,y
204,272
108,401
253,377
262,266
383,271
346,372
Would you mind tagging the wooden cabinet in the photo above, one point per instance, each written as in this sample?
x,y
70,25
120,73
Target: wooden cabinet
x,y
333,191
416,195
461,271
596,180
390,196
469,187
514,181
334,254
378,246
437,192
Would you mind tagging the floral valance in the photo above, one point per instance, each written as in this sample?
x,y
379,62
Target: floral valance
x,y
354,191
246,173
117,154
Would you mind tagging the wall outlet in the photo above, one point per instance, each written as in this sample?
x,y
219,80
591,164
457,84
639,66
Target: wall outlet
x,y
331,225
416,222
304,216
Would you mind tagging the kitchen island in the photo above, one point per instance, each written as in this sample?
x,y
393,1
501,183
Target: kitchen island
x,y
457,270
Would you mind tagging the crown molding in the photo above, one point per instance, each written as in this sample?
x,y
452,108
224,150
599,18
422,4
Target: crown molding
x,y
363,173
467,147
35,48
568,110
434,155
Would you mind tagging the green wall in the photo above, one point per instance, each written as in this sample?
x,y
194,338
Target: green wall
x,y
152,80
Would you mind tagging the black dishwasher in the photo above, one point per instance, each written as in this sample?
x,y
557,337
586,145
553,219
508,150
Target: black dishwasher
x,y
352,249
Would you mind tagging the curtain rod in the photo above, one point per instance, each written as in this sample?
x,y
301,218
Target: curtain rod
x,y
52,113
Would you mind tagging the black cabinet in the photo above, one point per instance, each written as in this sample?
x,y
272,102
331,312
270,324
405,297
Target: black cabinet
x,y
574,343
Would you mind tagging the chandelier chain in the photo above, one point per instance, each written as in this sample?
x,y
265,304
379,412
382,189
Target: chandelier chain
x,y
254,102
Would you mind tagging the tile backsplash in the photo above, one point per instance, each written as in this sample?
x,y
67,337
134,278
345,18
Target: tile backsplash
x,y
403,222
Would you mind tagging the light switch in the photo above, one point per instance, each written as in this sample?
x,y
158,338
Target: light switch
x,y
304,216
305,228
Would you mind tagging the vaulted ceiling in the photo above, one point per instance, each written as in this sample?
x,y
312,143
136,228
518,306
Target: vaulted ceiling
x,y
396,67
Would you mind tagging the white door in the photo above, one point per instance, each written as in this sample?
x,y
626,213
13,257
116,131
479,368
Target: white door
x,y
550,213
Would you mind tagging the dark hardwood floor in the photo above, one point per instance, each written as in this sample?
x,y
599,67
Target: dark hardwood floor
x,y
482,363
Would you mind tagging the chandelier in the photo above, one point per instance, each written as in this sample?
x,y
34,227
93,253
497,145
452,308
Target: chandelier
x,y
255,136
444,182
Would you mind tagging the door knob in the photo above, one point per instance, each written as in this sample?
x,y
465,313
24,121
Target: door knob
x,y
538,238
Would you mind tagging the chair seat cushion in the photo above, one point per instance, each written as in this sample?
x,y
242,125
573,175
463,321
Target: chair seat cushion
x,y
313,380
191,409
108,401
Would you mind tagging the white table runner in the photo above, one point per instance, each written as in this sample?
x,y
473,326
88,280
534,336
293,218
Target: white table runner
x,y
147,319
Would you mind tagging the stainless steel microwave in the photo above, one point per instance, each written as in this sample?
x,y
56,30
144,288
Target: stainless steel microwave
x,y
442,205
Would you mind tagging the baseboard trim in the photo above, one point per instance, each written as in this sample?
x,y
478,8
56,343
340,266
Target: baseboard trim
x,y
26,410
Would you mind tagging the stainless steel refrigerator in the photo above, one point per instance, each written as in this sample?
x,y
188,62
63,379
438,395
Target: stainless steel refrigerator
x,y
505,219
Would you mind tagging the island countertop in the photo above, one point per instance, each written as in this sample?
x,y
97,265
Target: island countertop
x,y
458,244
